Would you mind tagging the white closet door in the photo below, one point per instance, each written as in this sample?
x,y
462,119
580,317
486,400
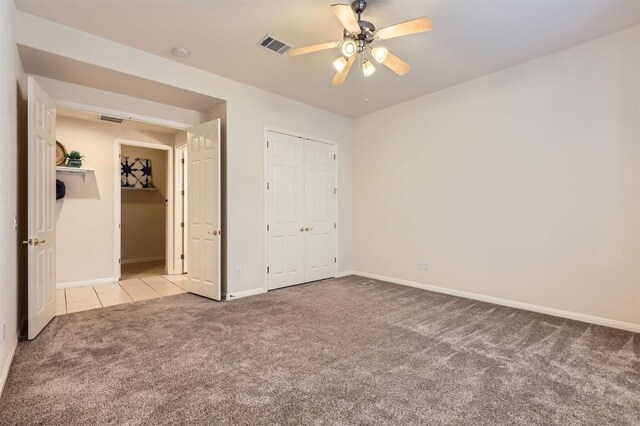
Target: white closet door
x,y
319,210
42,198
285,162
203,214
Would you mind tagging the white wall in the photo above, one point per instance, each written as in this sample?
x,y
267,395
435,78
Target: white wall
x,y
10,73
522,185
249,110
144,213
85,217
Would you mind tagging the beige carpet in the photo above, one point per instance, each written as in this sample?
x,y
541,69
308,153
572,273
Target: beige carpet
x,y
344,351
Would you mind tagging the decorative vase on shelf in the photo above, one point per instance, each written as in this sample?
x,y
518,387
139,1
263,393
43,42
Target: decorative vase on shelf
x,y
74,159
74,162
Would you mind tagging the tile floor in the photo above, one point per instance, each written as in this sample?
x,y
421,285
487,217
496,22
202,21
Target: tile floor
x,y
78,299
142,269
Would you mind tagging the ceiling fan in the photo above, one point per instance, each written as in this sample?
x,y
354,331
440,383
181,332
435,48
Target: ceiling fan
x,y
359,39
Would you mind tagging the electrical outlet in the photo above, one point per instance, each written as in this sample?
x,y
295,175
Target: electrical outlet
x,y
424,266
238,271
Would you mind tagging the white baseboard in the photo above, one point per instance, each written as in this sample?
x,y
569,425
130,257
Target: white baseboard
x,y
141,259
510,303
7,364
83,283
246,293
345,274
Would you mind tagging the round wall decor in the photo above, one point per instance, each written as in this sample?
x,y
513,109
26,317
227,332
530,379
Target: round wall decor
x,y
61,154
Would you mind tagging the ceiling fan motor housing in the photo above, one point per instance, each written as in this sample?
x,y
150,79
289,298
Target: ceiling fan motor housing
x,y
367,29
359,6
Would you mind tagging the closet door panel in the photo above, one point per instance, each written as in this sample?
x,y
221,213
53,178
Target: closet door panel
x,y
285,162
319,210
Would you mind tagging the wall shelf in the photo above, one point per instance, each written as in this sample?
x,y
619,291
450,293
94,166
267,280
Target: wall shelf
x,y
75,170
126,188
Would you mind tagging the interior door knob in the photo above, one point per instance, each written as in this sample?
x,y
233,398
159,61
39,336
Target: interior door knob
x,y
302,229
308,229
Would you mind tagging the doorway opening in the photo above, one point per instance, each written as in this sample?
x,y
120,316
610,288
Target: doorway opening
x,y
74,246
114,231
144,209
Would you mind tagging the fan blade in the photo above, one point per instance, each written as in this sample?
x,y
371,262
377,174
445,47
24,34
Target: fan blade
x,y
314,48
341,76
346,17
396,64
405,28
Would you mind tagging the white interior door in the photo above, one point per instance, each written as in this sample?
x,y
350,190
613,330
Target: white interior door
x,y
319,210
203,212
301,210
285,195
42,198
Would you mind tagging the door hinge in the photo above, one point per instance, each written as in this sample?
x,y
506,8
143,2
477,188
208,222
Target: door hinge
x,y
267,185
335,190
119,261
267,144
334,156
267,227
182,192
181,224
335,225
267,269
182,256
335,260
182,160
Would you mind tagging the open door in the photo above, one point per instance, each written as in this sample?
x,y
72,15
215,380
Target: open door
x,y
203,212
42,198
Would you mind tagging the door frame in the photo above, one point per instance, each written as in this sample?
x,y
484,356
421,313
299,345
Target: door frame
x,y
117,212
180,209
268,129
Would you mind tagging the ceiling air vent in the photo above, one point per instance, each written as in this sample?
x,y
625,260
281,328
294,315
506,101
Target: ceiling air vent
x,y
111,119
271,43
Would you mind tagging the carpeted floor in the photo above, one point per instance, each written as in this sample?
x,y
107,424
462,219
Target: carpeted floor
x,y
344,351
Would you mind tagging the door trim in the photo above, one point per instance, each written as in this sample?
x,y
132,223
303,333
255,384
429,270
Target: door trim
x,y
179,208
268,129
117,204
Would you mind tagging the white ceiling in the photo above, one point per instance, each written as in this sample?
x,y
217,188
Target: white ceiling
x,y
470,38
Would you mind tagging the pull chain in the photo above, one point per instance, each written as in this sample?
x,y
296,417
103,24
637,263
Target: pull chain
x,y
364,79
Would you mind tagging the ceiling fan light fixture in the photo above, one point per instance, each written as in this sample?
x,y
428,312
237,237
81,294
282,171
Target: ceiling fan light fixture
x,y
359,37
349,48
368,68
379,54
339,64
